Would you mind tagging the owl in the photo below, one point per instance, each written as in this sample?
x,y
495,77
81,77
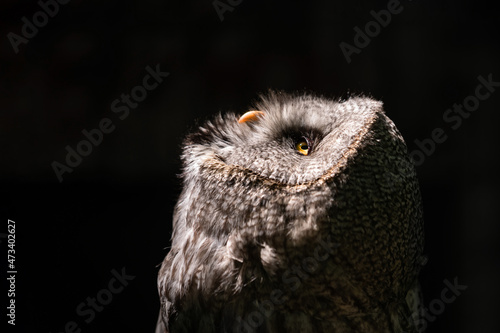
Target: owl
x,y
303,215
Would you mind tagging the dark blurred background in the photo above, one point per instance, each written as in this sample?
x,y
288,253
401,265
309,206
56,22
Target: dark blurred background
x,y
114,209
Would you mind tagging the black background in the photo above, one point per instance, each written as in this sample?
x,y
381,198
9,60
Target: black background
x,y
114,210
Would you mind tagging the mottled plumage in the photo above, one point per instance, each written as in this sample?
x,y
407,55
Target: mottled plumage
x,y
266,239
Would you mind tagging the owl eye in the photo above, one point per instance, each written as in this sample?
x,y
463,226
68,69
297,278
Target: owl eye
x,y
302,146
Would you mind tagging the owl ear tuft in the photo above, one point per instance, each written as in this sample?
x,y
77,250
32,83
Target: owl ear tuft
x,y
250,116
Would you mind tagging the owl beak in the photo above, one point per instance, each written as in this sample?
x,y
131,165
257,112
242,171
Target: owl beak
x,y
250,116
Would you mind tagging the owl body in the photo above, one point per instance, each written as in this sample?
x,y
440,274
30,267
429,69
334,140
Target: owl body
x,y
269,239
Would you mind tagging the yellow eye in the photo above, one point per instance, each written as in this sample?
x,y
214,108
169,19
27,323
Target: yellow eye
x,y
302,147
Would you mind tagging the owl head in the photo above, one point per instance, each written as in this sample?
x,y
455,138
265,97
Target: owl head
x,y
291,140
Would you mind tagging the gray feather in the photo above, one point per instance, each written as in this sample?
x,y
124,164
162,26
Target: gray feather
x,y
266,239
